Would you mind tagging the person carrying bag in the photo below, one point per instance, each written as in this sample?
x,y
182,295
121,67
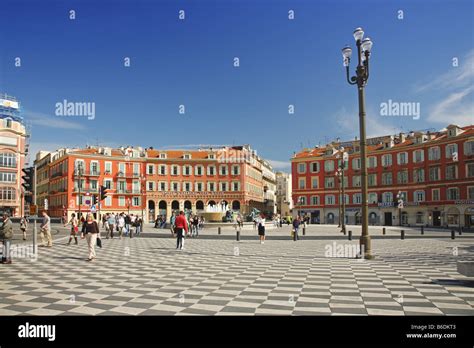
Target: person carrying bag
x,y
6,235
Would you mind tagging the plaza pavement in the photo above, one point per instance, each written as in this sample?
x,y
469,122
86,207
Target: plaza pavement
x,y
216,275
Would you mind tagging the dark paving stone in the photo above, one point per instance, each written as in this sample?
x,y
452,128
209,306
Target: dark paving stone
x,y
230,309
149,312
197,311
272,306
216,294
60,307
213,302
308,313
311,304
457,311
100,306
349,310
177,303
18,308
139,304
117,298
44,300
37,293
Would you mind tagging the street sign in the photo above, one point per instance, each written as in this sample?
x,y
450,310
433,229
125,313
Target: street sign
x,y
93,209
88,201
33,209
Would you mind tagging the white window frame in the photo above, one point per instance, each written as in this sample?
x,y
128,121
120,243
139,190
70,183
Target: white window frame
x,y
311,167
399,158
298,167
416,195
387,160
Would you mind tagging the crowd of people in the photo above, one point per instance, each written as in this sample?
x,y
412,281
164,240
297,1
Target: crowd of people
x,y
181,225
194,222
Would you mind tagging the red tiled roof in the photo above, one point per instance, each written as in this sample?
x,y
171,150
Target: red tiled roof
x,y
408,142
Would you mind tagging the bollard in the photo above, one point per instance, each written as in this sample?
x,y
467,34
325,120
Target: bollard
x,y
383,230
402,234
218,230
238,236
422,230
350,235
304,231
460,230
295,234
453,234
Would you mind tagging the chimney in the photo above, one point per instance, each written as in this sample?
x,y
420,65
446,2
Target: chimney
x,y
402,137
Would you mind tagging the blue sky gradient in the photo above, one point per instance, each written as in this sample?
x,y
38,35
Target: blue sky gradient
x,y
190,62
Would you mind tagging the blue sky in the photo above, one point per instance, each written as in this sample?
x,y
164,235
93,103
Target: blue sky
x,y
190,62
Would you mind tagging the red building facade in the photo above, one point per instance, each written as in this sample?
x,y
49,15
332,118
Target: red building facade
x,y
151,182
433,173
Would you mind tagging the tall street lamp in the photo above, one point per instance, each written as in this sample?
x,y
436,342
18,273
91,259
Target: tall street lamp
x,y
342,193
338,175
364,47
79,184
143,193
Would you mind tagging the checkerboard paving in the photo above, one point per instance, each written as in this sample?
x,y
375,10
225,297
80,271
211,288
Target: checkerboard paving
x,y
148,276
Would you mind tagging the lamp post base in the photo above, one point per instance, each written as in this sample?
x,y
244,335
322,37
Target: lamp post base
x,y
366,247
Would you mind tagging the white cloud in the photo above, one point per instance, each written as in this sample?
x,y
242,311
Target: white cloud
x,y
456,94
44,120
348,124
457,77
457,108
280,165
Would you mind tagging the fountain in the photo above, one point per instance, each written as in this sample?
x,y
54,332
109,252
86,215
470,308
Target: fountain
x,y
215,212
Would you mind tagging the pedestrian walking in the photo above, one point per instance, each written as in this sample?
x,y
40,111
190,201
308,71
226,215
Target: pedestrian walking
x,y
181,225
74,228
111,223
195,226
138,225
24,226
45,228
296,226
239,221
172,223
163,221
260,221
90,231
6,235
128,224
121,225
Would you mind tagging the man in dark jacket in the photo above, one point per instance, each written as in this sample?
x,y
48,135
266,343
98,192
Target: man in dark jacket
x,y
296,226
6,235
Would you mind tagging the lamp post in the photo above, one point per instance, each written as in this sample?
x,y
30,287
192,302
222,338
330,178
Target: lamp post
x,y
300,204
342,191
338,175
400,206
143,193
79,184
364,47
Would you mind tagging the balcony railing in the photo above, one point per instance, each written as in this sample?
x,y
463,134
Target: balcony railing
x,y
85,189
55,175
128,175
122,191
85,173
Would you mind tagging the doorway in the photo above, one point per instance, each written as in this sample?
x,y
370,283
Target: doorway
x,y
436,218
388,219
